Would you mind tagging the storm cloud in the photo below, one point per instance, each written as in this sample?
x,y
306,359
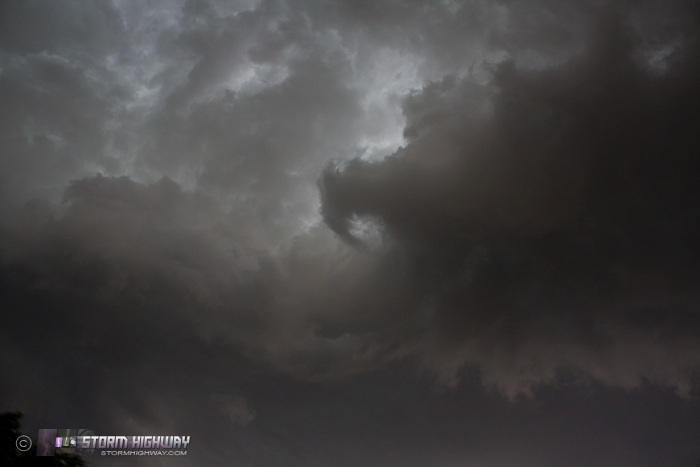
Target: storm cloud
x,y
355,233
555,210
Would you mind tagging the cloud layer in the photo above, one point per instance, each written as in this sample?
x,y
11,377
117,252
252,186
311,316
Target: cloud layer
x,y
229,216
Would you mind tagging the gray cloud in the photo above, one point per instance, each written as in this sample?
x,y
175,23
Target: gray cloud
x,y
313,234
557,221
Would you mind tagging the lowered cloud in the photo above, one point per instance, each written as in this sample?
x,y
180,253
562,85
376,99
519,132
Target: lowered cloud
x,y
555,212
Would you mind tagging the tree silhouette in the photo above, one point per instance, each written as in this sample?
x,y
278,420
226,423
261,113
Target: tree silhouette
x,y
11,456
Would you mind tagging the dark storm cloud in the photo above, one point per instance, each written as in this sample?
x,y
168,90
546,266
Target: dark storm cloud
x,y
559,225
537,224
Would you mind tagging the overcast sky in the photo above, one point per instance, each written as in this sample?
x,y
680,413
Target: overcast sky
x,y
355,232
